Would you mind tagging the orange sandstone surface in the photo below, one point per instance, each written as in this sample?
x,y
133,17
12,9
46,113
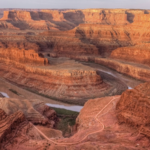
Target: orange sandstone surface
x,y
103,123
133,108
87,32
68,81
22,56
17,118
118,39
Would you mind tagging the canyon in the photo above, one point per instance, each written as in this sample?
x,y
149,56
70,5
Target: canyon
x,y
96,35
94,59
103,123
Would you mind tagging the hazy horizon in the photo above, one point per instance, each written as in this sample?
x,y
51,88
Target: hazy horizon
x,y
77,4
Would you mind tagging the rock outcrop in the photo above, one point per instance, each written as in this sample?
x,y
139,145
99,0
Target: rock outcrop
x,y
22,56
139,53
8,123
97,126
134,70
35,111
59,19
19,120
68,19
133,108
67,81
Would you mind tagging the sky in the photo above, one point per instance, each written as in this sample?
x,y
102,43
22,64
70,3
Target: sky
x,y
76,4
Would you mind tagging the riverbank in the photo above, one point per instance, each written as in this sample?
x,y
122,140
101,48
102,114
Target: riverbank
x,y
5,87
118,81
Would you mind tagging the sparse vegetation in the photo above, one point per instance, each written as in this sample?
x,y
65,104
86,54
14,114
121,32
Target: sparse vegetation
x,y
67,120
61,111
15,92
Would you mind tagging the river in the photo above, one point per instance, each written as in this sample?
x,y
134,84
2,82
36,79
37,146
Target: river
x,y
4,94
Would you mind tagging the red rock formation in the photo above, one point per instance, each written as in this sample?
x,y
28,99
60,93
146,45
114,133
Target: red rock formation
x,y
100,31
139,53
75,84
68,19
97,128
134,70
16,130
22,56
16,15
133,108
96,38
8,123
35,111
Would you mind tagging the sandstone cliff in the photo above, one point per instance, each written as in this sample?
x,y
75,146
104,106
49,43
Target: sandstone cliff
x,y
133,108
68,19
22,56
139,53
98,128
8,123
18,119
34,111
68,81
98,124
98,31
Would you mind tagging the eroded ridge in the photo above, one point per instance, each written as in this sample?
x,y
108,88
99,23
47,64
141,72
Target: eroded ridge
x,y
81,136
34,110
21,56
133,108
8,123
67,81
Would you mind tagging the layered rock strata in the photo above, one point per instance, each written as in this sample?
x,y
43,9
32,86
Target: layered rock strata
x,y
139,53
70,83
68,19
33,110
22,56
133,108
17,123
132,69
8,123
97,126
102,30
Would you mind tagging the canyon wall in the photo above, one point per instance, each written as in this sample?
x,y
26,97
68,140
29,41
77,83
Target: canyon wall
x,y
68,19
74,85
18,119
140,72
8,123
69,81
133,108
139,53
114,38
34,111
22,56
97,125
94,31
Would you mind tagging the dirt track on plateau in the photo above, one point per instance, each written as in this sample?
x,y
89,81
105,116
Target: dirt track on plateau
x,y
82,139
